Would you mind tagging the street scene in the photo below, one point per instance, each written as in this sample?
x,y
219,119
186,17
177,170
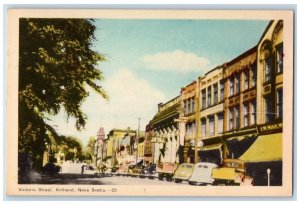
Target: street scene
x,y
151,102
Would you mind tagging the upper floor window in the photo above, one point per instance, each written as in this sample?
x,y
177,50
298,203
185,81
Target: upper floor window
x,y
220,122
253,75
230,118
268,109
185,107
237,117
246,114
253,113
268,69
211,125
231,86
192,105
221,90
279,95
209,96
215,93
246,79
279,56
203,127
203,93
237,84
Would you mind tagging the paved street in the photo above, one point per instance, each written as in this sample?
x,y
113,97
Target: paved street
x,y
103,180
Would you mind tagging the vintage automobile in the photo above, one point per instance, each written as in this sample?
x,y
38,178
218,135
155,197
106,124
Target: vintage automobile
x,y
149,171
137,170
183,172
122,170
232,172
202,174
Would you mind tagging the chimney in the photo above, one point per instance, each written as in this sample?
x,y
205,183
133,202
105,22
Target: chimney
x,y
159,106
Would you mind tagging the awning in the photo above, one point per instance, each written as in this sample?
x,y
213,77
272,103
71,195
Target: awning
x,y
211,147
265,148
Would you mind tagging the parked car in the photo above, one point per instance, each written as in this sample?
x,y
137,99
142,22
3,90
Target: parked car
x,y
130,169
202,173
122,170
166,170
137,170
232,172
183,172
88,169
149,171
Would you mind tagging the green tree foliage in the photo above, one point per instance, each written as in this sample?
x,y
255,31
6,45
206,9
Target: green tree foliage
x,y
90,148
71,147
56,64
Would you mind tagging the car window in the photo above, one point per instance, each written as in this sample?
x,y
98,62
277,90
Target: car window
x,y
186,166
203,166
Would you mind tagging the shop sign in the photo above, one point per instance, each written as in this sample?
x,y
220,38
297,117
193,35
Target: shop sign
x,y
270,128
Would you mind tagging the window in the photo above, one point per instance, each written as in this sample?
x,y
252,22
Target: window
x,y
189,106
268,69
215,93
253,113
220,122
246,80
231,86
279,96
203,98
237,84
268,109
221,90
185,107
237,117
253,74
192,105
279,55
246,115
211,125
203,127
230,118
209,96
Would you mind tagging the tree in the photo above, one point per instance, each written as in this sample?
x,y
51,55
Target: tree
x,y
56,64
90,148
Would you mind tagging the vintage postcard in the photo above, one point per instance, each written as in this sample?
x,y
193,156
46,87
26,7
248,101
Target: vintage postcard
x,y
149,102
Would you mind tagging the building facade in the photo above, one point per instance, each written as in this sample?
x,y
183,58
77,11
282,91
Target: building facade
x,y
211,117
265,154
164,134
189,105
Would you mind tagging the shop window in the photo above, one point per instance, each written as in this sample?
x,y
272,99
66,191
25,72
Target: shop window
x,y
246,115
203,127
211,125
221,90
220,122
279,55
203,93
246,80
209,96
279,99
268,69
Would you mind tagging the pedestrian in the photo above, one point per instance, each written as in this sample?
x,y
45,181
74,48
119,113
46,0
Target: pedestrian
x,y
82,169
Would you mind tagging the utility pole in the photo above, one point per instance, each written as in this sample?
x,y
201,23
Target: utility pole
x,y
137,140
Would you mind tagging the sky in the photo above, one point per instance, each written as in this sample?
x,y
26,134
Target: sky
x,y
148,61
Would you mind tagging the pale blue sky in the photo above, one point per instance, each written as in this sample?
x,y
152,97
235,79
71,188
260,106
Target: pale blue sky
x,y
148,61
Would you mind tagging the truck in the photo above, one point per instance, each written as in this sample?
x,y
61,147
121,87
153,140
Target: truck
x,y
166,170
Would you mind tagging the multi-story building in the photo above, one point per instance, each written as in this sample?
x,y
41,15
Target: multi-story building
x,y
189,105
148,145
121,147
164,134
211,98
240,79
265,154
